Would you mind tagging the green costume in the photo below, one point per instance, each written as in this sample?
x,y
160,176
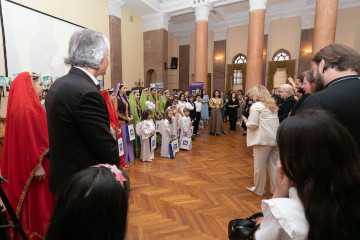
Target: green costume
x,y
137,117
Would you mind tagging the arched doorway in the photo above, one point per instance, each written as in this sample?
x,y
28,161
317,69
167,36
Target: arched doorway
x,y
150,77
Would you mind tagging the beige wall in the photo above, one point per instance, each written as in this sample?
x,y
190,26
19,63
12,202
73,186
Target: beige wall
x,y
284,33
210,56
348,28
173,51
236,42
94,16
132,45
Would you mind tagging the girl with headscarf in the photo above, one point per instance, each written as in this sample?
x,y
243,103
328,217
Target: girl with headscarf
x,y
145,96
137,113
125,116
25,161
115,127
163,101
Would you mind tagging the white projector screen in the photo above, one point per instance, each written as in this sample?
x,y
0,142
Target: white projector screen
x,y
35,41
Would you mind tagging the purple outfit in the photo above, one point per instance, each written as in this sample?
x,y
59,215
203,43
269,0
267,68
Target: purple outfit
x,y
124,112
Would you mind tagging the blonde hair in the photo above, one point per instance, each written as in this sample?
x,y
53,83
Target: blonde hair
x,y
288,88
260,94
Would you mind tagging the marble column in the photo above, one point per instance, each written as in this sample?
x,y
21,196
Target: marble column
x,y
325,24
114,7
255,43
201,43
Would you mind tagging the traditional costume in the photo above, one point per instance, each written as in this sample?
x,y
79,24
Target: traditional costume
x,y
137,116
26,145
147,130
124,114
216,119
166,137
115,127
186,128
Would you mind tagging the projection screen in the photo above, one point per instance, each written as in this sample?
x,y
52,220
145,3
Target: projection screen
x,y
34,41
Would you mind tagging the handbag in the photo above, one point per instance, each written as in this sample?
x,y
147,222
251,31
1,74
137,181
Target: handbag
x,y
130,133
157,123
202,124
243,229
173,147
152,142
192,130
120,146
185,143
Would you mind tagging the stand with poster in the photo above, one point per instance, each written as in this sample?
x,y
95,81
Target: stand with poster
x,y
194,85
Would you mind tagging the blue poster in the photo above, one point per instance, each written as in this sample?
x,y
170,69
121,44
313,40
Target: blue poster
x,y
194,85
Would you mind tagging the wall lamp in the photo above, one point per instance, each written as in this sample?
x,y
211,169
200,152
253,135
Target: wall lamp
x,y
218,59
308,52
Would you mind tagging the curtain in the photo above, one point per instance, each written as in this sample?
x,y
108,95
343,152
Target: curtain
x,y
230,73
274,65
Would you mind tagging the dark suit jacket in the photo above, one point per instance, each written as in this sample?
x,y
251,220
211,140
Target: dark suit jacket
x,y
285,108
79,127
341,97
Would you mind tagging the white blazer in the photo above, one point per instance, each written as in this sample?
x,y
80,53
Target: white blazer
x,y
262,126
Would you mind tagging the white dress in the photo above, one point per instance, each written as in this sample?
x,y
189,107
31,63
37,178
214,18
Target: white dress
x,y
147,130
284,218
181,106
165,140
185,128
174,129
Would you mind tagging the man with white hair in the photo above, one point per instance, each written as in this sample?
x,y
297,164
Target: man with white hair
x,y
78,122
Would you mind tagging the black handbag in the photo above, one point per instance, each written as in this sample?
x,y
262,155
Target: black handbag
x,y
243,229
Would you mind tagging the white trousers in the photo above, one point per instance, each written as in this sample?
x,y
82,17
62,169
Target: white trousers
x,y
265,156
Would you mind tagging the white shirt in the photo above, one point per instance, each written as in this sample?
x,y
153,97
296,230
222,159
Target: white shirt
x,y
284,218
90,75
198,106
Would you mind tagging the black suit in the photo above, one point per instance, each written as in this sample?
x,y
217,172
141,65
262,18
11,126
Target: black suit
x,y
79,127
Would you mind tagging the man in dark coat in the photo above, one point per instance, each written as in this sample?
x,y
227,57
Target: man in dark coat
x,y
337,67
78,122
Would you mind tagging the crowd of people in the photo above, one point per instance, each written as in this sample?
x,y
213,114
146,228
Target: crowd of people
x,y
306,135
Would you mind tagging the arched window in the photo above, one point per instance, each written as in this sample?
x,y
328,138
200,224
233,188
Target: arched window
x,y
237,76
282,55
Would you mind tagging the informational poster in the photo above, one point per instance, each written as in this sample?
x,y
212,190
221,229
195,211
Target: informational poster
x,y
194,85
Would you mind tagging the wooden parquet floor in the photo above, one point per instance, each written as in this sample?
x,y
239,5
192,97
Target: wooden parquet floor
x,y
194,195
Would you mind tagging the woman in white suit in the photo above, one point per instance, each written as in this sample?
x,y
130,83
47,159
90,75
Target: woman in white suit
x,y
262,125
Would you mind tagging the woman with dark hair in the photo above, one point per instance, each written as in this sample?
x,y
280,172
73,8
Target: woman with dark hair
x,y
181,104
216,120
125,116
115,128
318,181
25,159
92,205
232,106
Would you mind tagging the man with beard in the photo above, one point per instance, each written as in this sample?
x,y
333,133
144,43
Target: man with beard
x,y
298,85
337,67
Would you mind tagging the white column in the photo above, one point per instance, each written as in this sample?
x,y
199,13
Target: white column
x,y
114,7
255,43
202,11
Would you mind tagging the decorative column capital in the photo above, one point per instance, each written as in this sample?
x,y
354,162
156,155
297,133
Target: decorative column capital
x,y
202,9
257,4
156,21
114,7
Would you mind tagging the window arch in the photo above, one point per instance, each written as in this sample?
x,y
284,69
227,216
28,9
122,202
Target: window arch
x,y
281,55
237,75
